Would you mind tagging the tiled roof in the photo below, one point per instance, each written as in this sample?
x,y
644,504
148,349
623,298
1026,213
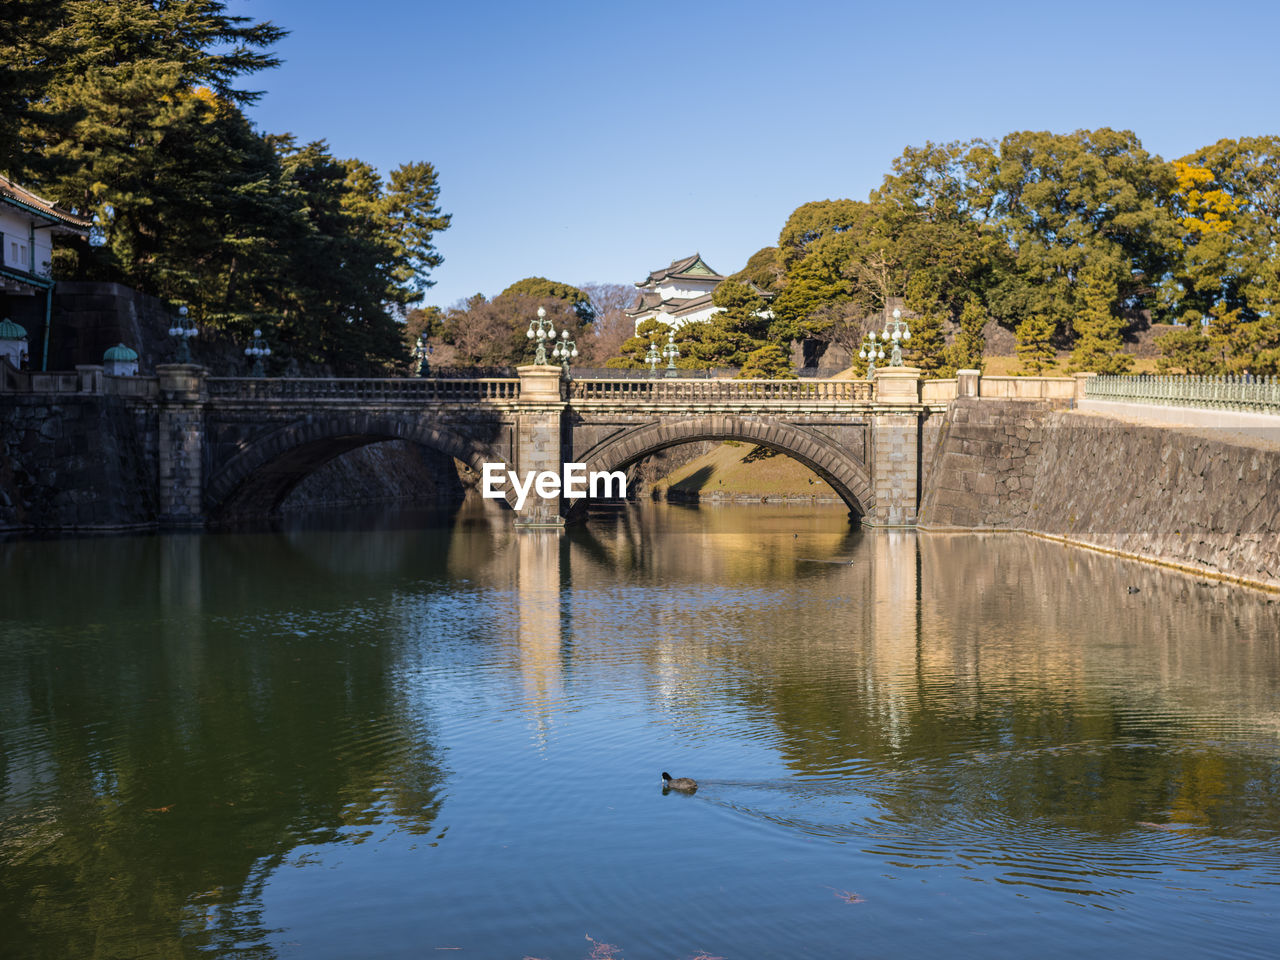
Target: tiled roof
x,y
685,307
16,196
677,270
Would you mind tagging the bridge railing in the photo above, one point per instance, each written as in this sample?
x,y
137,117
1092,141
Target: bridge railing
x,y
385,390
1247,393
670,391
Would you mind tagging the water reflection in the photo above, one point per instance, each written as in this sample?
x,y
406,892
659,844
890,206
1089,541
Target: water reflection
x,y
239,742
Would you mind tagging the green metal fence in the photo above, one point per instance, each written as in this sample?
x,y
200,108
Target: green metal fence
x,y
1248,393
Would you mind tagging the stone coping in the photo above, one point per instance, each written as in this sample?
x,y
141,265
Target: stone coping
x,y
1255,426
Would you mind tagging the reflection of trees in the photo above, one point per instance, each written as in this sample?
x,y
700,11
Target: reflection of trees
x,y
1026,682
184,716
711,543
177,714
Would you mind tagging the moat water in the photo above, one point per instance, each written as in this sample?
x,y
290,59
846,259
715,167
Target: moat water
x,y
403,738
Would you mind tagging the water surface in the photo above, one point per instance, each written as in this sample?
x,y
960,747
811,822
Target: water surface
x,y
404,740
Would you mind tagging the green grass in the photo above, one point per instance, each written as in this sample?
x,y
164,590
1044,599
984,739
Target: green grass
x,y
743,471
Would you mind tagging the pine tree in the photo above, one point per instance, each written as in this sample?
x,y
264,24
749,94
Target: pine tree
x,y
966,350
1099,331
1035,343
769,362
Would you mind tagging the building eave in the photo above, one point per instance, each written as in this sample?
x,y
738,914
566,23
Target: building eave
x,y
30,279
28,202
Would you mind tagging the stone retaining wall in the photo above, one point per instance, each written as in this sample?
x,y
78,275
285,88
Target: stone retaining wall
x,y
392,471
1203,500
76,463
85,463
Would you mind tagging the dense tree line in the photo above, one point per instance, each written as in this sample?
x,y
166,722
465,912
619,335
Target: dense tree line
x,y
132,112
492,332
1066,239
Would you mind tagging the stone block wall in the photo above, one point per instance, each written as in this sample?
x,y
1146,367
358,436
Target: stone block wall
x,y
983,464
395,470
1203,500
76,463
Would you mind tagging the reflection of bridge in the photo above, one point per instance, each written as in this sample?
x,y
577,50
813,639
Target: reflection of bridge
x,y
228,447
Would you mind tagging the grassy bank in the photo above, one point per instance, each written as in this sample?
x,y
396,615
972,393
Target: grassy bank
x,y
742,471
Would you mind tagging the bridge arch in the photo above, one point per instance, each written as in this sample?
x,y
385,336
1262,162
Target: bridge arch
x,y
846,475
258,477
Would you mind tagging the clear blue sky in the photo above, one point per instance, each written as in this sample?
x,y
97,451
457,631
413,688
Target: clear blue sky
x,y
597,141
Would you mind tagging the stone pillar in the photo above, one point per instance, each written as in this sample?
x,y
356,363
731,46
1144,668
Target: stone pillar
x,y
895,448
538,447
181,444
897,385
90,377
968,383
1081,380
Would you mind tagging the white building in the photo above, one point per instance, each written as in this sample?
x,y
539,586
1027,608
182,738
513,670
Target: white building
x,y
27,225
680,294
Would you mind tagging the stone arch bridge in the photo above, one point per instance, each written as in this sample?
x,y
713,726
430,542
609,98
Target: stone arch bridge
x,y
237,446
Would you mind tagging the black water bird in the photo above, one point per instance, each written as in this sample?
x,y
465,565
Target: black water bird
x,y
683,784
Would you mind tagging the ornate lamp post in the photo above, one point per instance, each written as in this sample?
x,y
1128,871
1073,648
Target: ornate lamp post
x,y
653,358
544,330
422,351
672,353
565,349
183,330
870,352
899,333
258,350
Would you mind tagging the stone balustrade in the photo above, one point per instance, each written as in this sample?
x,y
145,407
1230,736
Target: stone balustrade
x,y
703,391
363,390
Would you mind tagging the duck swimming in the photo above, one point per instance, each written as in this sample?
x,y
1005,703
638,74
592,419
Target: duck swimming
x,y
683,784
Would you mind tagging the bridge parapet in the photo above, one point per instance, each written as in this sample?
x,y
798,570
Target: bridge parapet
x,y
713,391
364,390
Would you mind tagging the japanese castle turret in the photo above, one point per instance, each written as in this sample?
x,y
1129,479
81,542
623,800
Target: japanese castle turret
x,y
681,293
13,342
677,294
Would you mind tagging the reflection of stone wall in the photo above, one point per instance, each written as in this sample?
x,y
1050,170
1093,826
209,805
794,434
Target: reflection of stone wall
x,y
1194,498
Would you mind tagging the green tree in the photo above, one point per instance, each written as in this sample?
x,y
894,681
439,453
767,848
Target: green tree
x,y
541,287
1100,328
490,333
966,350
762,269
138,119
1035,343
742,308
768,362
32,43
1086,215
412,217
1186,349
633,350
718,342
1226,205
